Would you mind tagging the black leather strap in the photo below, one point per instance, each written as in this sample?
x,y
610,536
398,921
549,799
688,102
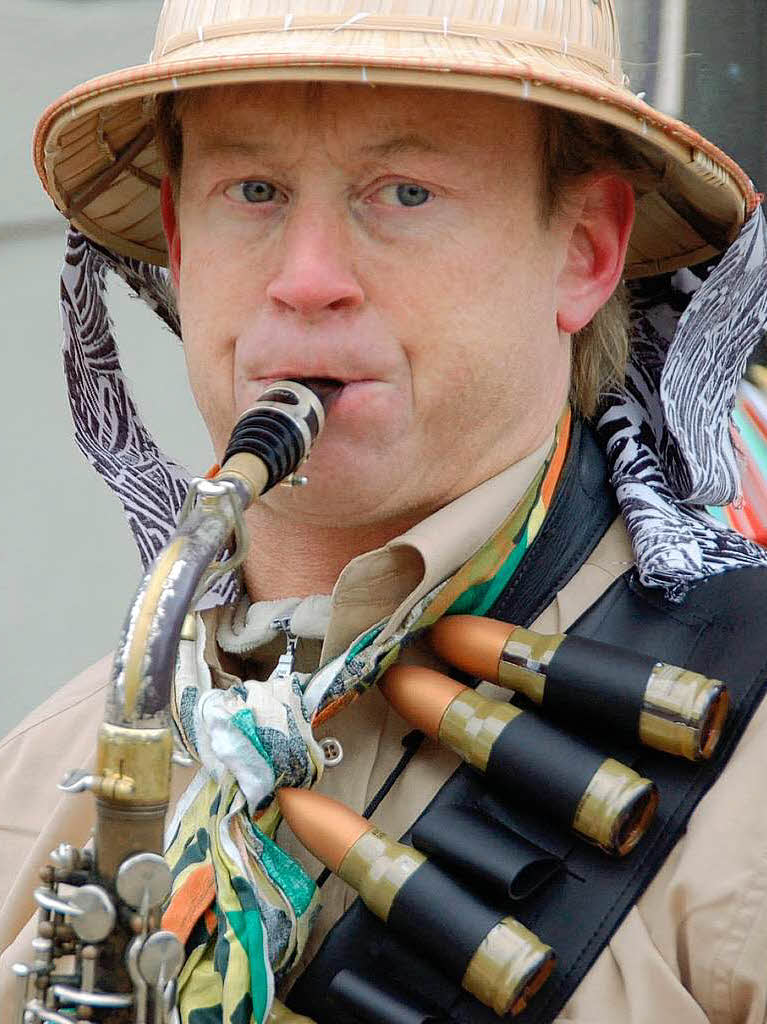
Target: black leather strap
x,y
486,855
588,683
442,917
718,631
388,1004
536,763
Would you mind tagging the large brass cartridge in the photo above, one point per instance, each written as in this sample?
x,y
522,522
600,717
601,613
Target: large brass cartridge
x,y
493,956
598,686
603,800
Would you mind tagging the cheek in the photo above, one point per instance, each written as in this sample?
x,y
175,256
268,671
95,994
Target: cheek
x,y
478,320
207,330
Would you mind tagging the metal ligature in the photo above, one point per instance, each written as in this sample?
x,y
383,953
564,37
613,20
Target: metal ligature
x,y
101,953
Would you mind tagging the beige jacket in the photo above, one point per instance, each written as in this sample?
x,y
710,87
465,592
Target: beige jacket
x,y
694,949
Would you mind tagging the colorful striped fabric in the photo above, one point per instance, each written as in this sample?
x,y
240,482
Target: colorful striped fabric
x,y
240,904
493,567
748,515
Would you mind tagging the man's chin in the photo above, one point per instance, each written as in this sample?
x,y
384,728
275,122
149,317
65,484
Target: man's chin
x,y
344,489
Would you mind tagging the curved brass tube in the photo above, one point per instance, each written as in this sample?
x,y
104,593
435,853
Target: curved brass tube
x,y
135,743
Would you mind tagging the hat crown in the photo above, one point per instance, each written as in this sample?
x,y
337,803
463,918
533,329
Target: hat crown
x,y
587,25
97,156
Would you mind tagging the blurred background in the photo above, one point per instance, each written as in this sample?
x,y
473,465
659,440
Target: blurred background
x,y
69,563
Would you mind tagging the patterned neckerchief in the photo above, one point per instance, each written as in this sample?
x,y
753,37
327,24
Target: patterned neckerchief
x,y
666,432
241,905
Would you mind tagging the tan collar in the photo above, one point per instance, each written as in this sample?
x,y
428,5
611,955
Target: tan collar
x,y
391,579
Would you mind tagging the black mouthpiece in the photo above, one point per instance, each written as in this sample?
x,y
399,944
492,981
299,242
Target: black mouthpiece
x,y
283,425
324,388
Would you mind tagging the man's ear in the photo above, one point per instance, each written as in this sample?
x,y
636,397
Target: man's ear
x,y
170,227
599,234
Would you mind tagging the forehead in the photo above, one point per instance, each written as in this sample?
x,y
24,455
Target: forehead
x,y
357,120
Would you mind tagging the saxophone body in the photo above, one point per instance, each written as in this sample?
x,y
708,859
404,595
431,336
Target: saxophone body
x,y
101,953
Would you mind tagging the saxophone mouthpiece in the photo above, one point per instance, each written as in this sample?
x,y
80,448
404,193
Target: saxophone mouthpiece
x,y
324,388
274,437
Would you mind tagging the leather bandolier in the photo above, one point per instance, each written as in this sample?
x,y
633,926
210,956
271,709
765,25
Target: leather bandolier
x,y
567,892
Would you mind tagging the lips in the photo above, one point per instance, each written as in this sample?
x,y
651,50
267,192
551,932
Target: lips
x,y
344,352
318,383
325,388
341,399
360,368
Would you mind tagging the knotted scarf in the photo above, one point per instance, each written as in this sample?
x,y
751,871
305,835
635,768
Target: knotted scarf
x,y
242,906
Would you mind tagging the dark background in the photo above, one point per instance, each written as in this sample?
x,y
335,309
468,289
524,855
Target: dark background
x,y
721,69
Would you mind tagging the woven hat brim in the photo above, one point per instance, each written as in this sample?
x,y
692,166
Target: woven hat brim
x,y
95,153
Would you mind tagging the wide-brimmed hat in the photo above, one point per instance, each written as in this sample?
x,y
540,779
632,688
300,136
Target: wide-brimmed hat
x,y
95,152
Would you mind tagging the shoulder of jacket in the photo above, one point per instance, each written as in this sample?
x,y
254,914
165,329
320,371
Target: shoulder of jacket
x,y
76,695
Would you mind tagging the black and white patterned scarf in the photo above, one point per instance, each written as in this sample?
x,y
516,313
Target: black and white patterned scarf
x,y
667,433
108,427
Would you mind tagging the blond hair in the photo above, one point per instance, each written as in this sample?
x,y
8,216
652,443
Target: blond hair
x,y
573,146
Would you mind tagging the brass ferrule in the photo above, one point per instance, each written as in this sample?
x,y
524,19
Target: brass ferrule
x,y
471,724
377,867
509,967
524,660
248,471
616,808
133,766
683,712
136,764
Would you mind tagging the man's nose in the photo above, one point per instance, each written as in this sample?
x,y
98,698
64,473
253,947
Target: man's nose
x,y
316,272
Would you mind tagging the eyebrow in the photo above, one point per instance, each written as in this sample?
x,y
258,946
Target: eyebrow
x,y
399,145
214,145
402,144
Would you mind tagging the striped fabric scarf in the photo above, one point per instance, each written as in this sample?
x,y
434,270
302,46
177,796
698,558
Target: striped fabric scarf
x,y
240,904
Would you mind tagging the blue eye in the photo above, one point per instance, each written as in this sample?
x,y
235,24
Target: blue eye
x,y
256,191
412,195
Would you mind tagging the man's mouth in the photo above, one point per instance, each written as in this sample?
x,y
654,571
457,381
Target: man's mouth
x,y
327,389
348,402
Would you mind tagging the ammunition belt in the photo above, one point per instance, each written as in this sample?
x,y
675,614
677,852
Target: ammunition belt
x,y
564,890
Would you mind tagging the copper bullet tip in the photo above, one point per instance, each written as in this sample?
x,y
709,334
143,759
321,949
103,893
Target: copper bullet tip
x,y
471,643
420,695
328,829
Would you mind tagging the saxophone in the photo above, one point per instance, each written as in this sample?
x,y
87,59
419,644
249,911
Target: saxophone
x,y
101,953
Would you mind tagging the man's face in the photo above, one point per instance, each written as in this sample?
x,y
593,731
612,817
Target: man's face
x,y
391,239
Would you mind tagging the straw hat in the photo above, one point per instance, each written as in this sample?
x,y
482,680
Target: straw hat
x,y
95,154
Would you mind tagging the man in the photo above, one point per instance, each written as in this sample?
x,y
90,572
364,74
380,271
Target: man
x,y
371,198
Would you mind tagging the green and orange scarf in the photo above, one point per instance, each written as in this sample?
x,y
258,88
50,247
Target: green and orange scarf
x,y
241,905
